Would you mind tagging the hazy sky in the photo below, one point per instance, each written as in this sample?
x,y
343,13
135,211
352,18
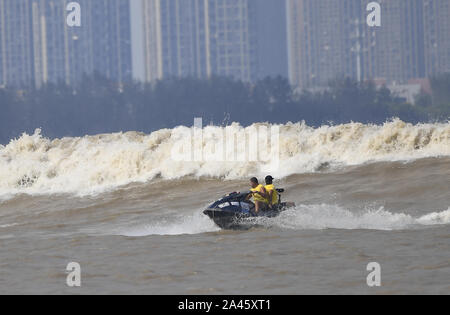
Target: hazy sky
x,y
136,39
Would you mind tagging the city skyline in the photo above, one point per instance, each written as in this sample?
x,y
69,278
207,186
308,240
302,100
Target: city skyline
x,y
242,39
37,45
308,41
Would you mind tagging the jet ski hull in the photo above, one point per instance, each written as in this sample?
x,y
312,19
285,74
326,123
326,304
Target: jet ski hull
x,y
226,220
237,218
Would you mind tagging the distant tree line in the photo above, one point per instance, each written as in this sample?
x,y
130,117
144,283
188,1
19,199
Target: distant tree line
x,y
98,105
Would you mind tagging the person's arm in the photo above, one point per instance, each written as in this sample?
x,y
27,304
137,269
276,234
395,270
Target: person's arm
x,y
270,198
263,193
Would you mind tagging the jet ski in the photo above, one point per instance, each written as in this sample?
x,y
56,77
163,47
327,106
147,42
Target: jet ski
x,y
232,210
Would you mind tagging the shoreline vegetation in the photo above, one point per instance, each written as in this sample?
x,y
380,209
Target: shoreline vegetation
x,y
97,105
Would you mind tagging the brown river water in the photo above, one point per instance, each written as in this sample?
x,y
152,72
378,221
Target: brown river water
x,y
153,239
134,228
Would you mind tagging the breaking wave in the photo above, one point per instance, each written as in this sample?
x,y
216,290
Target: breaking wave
x,y
87,165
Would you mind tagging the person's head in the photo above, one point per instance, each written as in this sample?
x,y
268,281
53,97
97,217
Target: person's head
x,y
269,180
254,182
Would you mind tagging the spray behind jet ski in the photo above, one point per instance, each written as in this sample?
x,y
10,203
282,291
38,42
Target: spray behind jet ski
x,y
231,211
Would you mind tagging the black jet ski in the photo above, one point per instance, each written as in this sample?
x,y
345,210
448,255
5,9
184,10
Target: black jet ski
x,y
232,210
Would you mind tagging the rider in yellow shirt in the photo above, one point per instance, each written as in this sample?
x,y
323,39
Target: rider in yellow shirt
x,y
259,194
272,194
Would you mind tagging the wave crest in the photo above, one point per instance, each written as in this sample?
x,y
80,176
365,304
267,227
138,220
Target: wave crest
x,y
91,164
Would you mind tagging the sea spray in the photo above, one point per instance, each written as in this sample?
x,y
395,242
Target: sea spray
x,y
33,164
303,217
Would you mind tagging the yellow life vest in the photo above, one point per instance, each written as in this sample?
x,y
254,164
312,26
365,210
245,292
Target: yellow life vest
x,y
258,197
275,197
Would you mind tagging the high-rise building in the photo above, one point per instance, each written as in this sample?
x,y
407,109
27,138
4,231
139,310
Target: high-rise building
x,y
61,53
37,45
200,38
329,39
436,15
111,38
16,42
395,51
232,41
175,38
197,38
320,40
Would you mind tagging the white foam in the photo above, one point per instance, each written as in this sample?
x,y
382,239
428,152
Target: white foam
x,y
193,224
319,217
33,164
435,218
4,226
304,217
